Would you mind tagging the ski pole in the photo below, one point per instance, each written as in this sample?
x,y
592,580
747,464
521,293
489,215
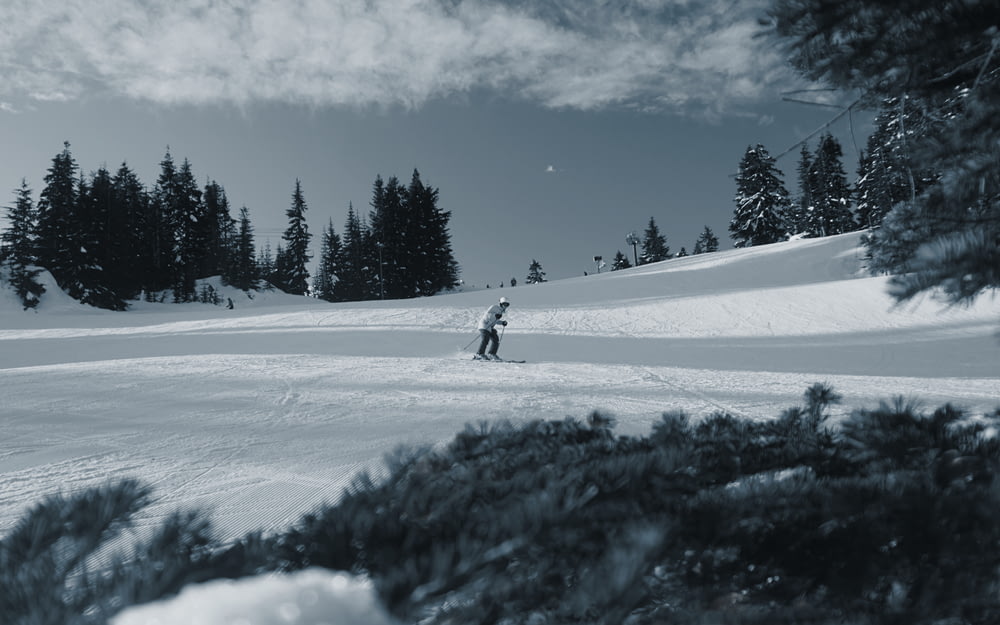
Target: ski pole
x,y
470,342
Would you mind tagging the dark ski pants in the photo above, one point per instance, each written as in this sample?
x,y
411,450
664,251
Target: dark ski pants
x,y
491,338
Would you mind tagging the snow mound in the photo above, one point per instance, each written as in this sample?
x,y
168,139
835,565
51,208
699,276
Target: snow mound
x,y
309,597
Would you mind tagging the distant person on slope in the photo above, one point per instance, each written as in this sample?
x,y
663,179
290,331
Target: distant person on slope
x,y
487,330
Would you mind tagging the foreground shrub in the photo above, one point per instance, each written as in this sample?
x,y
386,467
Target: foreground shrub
x,y
888,518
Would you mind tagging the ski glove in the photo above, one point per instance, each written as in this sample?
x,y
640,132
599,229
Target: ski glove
x,y
503,323
498,315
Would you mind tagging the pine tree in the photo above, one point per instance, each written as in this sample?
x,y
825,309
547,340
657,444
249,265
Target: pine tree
x,y
244,269
761,200
707,242
265,264
797,215
127,257
191,226
620,261
831,212
219,230
433,265
654,244
293,275
158,234
390,228
535,273
886,174
353,276
18,248
59,237
326,273
941,53
95,262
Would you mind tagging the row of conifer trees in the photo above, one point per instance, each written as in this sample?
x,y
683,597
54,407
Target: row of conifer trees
x,y
108,239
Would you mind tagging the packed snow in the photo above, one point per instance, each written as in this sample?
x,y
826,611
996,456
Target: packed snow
x,y
264,412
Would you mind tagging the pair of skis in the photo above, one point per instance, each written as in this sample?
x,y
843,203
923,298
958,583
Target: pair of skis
x,y
494,359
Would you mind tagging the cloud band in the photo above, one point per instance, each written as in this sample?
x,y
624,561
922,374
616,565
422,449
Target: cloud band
x,y
657,55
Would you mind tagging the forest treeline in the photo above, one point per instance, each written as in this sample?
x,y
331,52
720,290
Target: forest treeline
x,y
107,239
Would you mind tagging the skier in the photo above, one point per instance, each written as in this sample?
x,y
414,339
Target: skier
x,y
487,330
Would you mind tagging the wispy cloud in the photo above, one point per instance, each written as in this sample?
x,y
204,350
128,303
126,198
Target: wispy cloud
x,y
680,56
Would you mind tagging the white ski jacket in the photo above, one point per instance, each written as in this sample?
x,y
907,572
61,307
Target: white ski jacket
x,y
491,317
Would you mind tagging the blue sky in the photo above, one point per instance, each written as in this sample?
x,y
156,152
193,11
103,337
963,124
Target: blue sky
x,y
552,129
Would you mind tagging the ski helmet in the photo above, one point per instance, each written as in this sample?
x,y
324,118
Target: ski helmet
x,y
504,302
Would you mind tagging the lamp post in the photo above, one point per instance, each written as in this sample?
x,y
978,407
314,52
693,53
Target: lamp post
x,y
381,280
633,240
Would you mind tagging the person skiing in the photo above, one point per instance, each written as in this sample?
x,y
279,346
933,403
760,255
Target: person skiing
x,y
488,332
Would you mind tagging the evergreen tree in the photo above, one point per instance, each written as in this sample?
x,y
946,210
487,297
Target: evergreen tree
x,y
192,228
620,261
326,273
265,264
127,257
277,277
293,276
158,234
707,242
433,265
244,270
535,273
59,237
353,272
390,229
797,216
886,174
95,260
831,212
761,200
942,53
18,249
654,244
219,231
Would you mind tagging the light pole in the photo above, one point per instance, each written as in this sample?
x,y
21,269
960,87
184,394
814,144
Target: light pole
x,y
633,240
381,280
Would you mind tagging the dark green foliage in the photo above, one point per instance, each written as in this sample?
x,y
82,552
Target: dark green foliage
x,y
707,242
290,272
56,566
326,273
535,273
886,518
824,206
242,270
409,245
938,59
353,267
761,200
654,244
620,261
17,249
832,198
107,240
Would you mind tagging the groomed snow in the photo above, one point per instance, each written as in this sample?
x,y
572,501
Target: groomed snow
x,y
266,411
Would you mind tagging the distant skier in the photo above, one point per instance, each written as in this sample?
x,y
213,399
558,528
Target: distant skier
x,y
487,330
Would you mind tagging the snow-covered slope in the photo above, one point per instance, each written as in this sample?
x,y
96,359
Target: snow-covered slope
x,y
263,412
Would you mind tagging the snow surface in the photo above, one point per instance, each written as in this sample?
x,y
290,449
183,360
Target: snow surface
x,y
264,412
309,597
